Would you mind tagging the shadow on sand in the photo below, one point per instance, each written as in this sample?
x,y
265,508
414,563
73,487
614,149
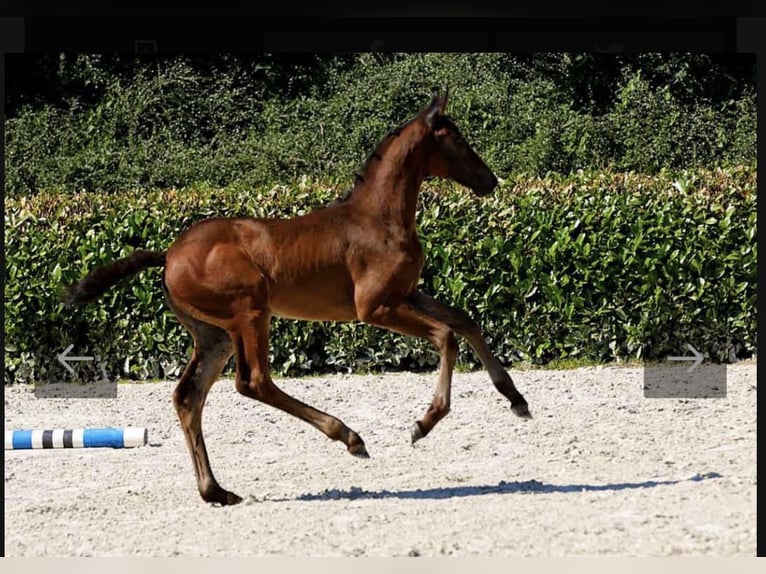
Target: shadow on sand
x,y
503,487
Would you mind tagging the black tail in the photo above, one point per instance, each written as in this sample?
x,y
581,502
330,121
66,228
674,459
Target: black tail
x,y
99,280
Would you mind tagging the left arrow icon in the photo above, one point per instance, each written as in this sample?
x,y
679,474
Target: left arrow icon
x,y
64,357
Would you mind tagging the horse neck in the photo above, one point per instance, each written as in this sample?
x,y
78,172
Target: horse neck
x,y
391,181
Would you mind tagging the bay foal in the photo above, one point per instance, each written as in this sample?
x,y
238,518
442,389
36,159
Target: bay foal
x,y
358,259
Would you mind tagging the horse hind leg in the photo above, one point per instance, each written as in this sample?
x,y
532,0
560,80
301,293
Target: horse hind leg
x,y
212,349
254,381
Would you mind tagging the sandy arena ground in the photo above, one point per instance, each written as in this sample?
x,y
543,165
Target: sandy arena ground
x,y
600,470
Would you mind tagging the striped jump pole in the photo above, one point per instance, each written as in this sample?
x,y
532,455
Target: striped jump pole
x,y
127,437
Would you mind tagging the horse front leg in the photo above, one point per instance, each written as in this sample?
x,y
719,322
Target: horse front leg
x,y
402,317
464,326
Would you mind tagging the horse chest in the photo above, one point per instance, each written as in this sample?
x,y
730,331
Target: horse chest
x,y
400,262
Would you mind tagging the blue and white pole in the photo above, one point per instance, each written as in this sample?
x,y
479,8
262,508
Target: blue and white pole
x,y
76,438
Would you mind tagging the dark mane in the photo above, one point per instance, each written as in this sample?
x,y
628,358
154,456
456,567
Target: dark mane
x,y
374,156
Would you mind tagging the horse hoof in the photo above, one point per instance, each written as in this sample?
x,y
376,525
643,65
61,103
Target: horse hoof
x,y
521,410
232,498
416,433
223,498
359,451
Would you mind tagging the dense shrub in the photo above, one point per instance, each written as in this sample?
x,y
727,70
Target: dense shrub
x,y
108,124
595,265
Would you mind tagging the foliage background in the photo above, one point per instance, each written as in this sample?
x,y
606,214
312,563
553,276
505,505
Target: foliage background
x,y
113,123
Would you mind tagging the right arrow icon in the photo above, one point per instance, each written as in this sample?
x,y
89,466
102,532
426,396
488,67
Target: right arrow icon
x,y
697,358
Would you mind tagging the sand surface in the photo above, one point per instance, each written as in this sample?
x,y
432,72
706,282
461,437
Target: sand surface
x,y
600,470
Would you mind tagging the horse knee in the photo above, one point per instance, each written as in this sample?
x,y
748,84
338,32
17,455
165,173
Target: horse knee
x,y
257,386
446,341
451,342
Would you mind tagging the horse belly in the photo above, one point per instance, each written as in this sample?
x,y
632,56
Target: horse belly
x,y
313,299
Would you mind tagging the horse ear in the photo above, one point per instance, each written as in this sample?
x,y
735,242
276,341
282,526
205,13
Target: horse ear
x,y
436,107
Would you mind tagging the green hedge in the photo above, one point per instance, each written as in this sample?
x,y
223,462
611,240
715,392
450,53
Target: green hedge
x,y
599,266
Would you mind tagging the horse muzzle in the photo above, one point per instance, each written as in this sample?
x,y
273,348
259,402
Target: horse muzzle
x,y
485,186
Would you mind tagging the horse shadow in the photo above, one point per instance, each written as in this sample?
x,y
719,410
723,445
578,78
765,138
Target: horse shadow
x,y
503,487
